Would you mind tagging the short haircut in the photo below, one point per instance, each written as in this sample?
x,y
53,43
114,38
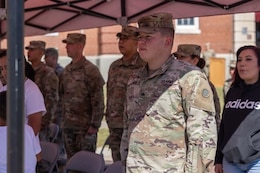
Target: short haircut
x,y
167,32
3,105
52,52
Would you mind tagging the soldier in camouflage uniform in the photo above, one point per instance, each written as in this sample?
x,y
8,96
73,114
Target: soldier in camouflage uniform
x,y
51,57
228,82
191,54
118,75
48,83
170,121
81,89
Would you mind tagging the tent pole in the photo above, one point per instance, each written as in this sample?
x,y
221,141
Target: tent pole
x,y
15,96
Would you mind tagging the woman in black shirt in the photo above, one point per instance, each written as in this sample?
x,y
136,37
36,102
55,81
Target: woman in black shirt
x,y
238,149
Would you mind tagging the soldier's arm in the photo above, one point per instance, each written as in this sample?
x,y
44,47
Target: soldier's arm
x,y
96,83
107,115
124,140
50,97
216,103
201,132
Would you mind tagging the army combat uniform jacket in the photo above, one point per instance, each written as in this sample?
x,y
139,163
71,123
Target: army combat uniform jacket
x,y
81,89
48,83
119,73
170,121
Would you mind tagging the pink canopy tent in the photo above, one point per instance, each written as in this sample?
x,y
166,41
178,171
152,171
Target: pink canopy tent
x,y
44,16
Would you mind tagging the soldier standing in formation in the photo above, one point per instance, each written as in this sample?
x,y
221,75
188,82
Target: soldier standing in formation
x,y
48,83
228,82
81,89
170,110
191,54
51,59
118,75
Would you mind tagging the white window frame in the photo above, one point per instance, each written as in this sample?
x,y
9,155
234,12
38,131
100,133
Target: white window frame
x,y
188,29
52,34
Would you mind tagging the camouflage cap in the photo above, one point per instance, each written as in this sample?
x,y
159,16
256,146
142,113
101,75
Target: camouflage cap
x,y
36,45
73,38
232,64
153,23
188,50
128,31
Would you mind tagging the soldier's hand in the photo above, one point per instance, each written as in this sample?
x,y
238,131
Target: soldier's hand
x,y
92,130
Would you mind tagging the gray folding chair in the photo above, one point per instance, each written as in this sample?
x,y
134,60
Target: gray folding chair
x,y
115,167
54,131
85,161
50,154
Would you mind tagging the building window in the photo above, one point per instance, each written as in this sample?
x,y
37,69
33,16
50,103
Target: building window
x,y
52,34
187,26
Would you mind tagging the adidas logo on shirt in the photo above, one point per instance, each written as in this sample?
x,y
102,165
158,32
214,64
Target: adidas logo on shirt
x,y
247,104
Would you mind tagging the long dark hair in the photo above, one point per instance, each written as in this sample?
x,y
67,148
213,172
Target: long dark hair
x,y
29,71
3,104
256,50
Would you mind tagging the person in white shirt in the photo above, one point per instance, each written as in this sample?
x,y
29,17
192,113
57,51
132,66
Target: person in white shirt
x,y
34,103
31,143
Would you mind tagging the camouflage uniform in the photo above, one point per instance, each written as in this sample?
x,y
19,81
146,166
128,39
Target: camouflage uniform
x,y
81,89
170,121
216,104
228,82
226,86
48,83
119,73
194,51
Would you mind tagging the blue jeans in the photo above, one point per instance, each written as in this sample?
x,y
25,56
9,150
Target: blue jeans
x,y
252,167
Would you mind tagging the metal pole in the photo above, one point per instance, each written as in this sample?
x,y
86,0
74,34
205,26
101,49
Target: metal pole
x,y
15,83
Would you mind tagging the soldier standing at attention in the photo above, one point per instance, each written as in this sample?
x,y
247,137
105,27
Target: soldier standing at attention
x,y
48,83
51,59
118,75
82,97
191,53
170,112
229,81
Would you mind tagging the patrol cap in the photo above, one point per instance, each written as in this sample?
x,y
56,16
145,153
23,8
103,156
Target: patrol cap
x,y
232,64
127,31
73,38
190,50
36,45
153,23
